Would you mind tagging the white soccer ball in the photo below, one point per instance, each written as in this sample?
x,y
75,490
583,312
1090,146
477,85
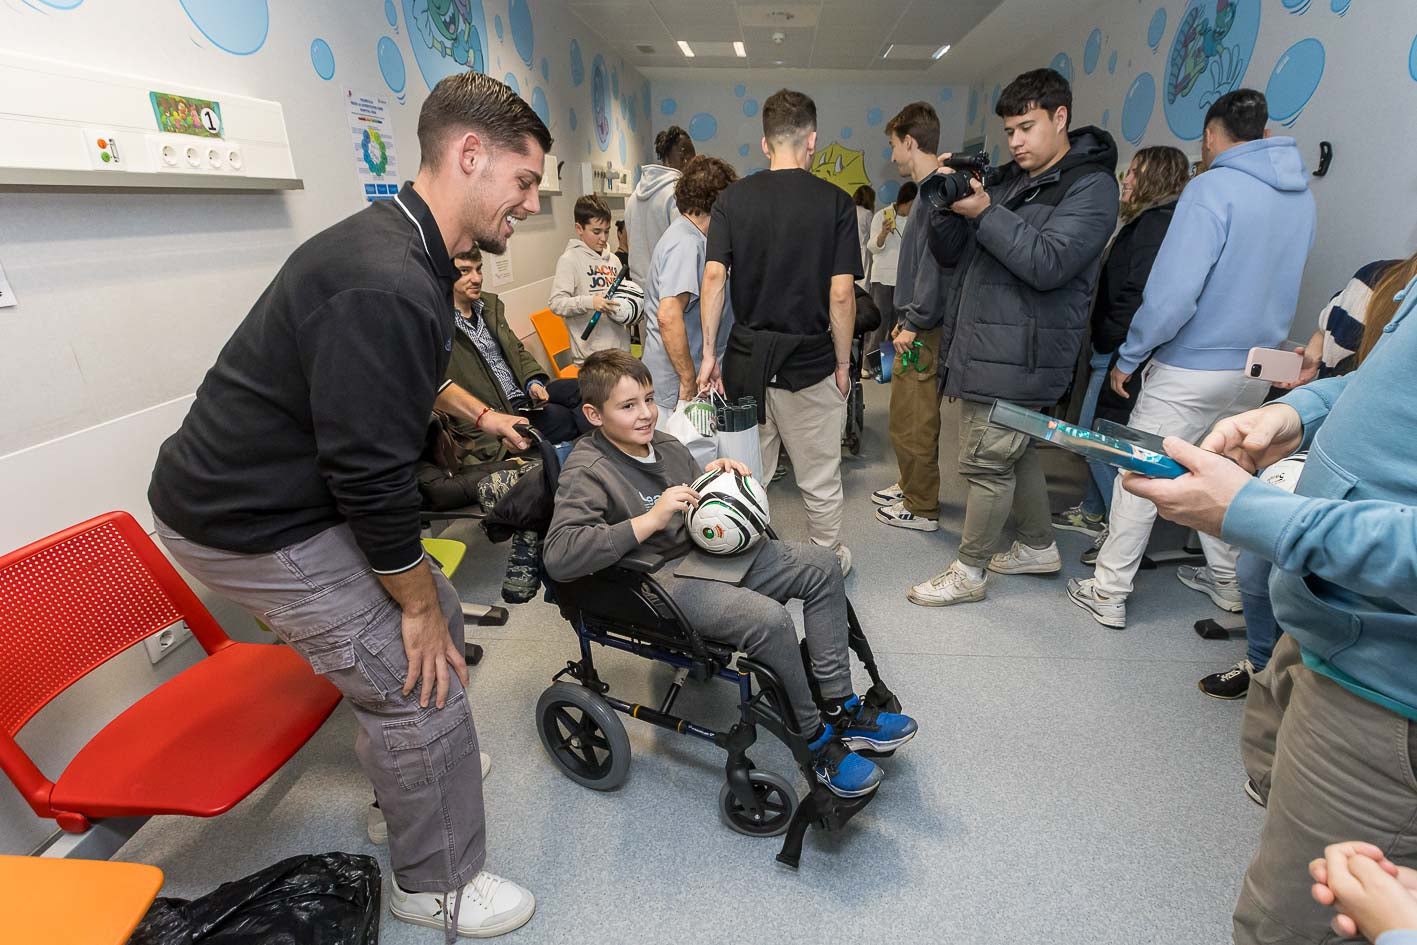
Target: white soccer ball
x,y
732,515
1285,473
630,304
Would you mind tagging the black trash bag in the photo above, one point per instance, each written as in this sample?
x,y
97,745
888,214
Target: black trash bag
x,y
318,899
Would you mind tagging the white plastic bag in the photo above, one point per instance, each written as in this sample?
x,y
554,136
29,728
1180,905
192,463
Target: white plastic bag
x,y
703,448
741,444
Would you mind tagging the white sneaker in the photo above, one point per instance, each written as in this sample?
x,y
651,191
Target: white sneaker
x,y
490,906
954,585
898,516
1021,559
843,558
378,828
1108,611
1224,594
889,495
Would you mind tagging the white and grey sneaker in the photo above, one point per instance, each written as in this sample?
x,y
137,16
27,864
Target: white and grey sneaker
x,y
897,516
378,828
1089,555
1021,559
1106,610
486,907
890,495
954,585
1224,594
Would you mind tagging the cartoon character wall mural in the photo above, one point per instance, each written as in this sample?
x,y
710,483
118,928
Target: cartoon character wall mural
x,y
841,166
447,36
1214,42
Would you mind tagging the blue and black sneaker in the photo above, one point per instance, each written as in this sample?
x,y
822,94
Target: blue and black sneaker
x,y
868,729
845,773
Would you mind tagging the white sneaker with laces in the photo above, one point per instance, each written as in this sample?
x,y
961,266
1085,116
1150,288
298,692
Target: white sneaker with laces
x,y
1108,611
378,828
890,495
1021,559
1224,594
897,516
954,585
486,907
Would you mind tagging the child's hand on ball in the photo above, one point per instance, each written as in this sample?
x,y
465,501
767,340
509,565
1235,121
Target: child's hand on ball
x,y
730,465
673,500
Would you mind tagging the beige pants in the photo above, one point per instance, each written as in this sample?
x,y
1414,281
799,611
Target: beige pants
x,y
808,423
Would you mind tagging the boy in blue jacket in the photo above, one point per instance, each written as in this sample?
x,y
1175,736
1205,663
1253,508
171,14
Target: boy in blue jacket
x,y
1329,724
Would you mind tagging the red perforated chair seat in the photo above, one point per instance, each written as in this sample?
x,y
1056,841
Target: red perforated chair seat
x,y
202,741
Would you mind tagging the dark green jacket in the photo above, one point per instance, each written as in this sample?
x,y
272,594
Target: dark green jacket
x,y
469,370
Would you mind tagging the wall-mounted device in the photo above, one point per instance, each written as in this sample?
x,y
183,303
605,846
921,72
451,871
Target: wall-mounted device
x,y
1325,158
69,126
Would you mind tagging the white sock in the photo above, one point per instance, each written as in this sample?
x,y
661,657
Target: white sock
x,y
975,573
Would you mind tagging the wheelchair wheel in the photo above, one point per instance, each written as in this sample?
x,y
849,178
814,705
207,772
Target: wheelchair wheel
x,y
584,736
777,797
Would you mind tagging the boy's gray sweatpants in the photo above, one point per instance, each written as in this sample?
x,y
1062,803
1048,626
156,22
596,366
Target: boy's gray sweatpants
x,y
321,598
752,618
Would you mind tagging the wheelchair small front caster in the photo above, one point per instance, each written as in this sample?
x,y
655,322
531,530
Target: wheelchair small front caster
x,y
584,736
774,795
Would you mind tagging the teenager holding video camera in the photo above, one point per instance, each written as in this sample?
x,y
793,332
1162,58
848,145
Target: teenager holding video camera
x,y
1024,250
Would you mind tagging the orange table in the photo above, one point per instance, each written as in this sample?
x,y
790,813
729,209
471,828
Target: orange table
x,y
73,902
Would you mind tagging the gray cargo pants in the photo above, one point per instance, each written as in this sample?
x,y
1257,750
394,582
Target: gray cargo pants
x,y
321,598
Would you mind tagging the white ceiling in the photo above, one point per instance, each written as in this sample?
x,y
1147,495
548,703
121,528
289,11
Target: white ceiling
x,y
815,34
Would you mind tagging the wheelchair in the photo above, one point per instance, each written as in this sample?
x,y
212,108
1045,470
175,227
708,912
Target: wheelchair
x,y
577,717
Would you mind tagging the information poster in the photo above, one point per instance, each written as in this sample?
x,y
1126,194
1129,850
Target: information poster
x,y
184,115
372,137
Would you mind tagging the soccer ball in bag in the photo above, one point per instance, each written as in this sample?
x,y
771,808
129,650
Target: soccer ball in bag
x,y
1285,473
629,302
732,515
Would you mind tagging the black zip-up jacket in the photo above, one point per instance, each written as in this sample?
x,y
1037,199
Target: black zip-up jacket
x,y
1124,274
1021,276
316,409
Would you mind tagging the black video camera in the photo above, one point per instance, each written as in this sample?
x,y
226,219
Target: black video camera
x,y
942,190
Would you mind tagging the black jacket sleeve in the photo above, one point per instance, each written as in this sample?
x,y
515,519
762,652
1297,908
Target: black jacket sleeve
x,y
1050,256
371,360
1126,278
947,235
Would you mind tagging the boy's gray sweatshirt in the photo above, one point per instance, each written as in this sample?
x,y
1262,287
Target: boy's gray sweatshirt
x,y
601,488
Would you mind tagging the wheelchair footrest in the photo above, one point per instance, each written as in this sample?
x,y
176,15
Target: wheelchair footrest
x,y
821,809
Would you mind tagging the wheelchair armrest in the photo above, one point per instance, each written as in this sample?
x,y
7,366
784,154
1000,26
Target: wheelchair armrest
x,y
639,562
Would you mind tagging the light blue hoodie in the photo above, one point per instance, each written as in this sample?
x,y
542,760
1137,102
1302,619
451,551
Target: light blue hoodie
x,y
1227,277
1398,937
1345,544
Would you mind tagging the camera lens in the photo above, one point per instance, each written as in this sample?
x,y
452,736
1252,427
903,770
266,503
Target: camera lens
x,y
1255,370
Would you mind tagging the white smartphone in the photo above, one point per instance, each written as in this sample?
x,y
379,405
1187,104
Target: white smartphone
x,y
1274,365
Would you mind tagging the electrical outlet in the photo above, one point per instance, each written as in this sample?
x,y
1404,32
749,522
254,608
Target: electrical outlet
x,y
166,640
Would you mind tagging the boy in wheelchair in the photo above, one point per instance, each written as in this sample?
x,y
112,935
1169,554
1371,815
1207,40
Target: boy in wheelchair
x,y
622,491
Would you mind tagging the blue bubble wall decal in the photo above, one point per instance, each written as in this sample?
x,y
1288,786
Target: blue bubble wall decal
x,y
574,120
624,150
1137,107
497,25
1092,51
1340,6
391,13
668,106
994,96
946,94
1156,29
391,65
519,18
887,192
1297,7
615,83
750,107
742,150
510,80
1294,80
874,117
447,45
1106,117
886,153
1112,63
703,127
62,4
541,106
1412,60
577,64
1063,65
545,69
740,90
239,27
846,134
323,59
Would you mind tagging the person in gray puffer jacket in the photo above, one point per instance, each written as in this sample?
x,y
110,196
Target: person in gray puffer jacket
x,y
1017,259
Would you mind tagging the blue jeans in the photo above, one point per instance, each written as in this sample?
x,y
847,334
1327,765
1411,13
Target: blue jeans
x,y
1261,629
1098,498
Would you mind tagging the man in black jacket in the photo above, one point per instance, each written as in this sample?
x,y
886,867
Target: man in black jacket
x,y
290,487
1022,256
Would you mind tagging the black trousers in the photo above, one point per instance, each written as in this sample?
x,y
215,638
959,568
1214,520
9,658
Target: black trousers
x,y
560,418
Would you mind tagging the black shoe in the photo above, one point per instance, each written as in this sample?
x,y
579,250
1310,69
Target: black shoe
x,y
1233,683
1253,793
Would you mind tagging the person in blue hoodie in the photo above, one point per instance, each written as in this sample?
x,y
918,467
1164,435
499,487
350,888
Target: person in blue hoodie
x,y
1329,723
1225,280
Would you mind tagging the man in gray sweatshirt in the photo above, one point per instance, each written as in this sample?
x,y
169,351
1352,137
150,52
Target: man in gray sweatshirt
x,y
624,487
651,208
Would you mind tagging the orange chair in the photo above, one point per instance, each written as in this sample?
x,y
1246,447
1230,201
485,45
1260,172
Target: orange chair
x,y
551,329
197,744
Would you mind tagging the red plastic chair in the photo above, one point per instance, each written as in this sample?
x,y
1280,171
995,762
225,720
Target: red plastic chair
x,y
197,744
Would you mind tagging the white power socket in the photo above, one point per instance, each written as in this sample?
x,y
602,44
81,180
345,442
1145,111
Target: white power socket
x,y
166,640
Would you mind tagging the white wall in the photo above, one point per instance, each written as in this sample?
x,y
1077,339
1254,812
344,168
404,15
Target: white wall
x,y
126,298
1364,102
849,112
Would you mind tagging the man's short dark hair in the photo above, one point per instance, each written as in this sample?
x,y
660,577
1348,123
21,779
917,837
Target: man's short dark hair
x,y
591,207
665,141
472,101
788,115
704,179
603,370
473,255
908,192
1242,114
1041,88
917,120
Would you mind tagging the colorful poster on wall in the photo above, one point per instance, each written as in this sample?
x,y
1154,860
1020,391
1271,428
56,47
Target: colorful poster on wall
x,y
372,138
184,115
600,102
840,165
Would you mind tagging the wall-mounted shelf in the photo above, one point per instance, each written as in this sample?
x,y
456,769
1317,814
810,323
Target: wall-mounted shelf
x,y
40,179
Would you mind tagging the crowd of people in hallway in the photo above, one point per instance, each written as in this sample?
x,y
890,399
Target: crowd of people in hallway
x,y
292,486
